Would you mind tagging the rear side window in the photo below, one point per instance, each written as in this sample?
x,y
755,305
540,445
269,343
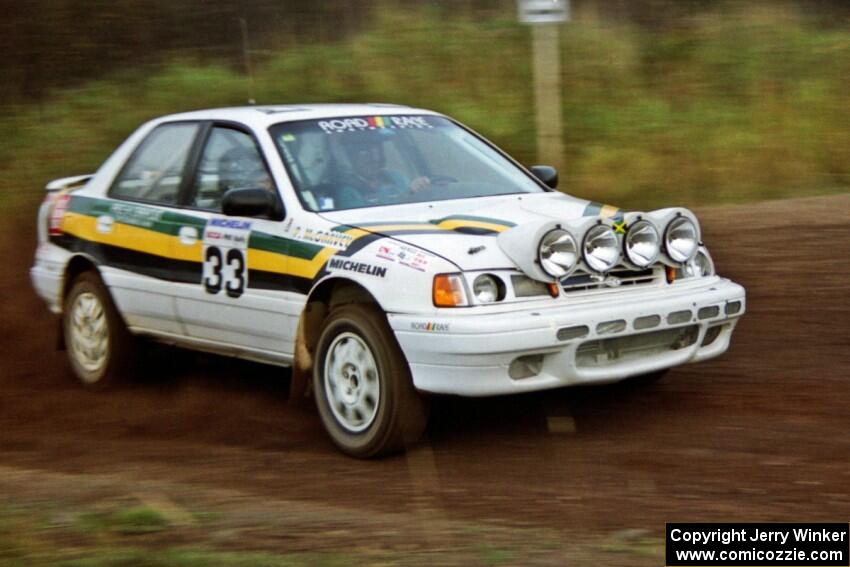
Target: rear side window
x,y
155,171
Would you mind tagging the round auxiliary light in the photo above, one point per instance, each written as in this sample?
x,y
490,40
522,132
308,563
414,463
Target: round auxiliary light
x,y
680,239
643,243
486,289
698,266
601,248
557,252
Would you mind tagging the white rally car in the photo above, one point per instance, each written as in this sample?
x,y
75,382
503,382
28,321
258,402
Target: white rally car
x,y
389,251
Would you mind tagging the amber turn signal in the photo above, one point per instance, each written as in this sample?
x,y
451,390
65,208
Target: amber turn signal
x,y
448,291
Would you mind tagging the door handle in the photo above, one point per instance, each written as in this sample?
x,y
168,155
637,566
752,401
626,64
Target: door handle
x,y
188,235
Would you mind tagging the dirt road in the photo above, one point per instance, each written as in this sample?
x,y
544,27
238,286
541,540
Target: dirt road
x,y
760,434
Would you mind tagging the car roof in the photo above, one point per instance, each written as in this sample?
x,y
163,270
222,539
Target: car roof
x,y
263,116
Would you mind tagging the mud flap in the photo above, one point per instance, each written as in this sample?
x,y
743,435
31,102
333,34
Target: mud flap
x,y
302,368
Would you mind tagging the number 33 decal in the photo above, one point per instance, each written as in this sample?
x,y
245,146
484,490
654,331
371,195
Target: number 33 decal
x,y
224,268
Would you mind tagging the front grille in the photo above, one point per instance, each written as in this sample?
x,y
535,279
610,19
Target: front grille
x,y
619,277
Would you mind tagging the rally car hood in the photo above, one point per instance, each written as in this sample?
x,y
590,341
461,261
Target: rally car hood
x,y
464,231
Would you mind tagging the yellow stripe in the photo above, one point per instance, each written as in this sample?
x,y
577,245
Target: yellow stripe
x,y
449,224
453,224
282,264
131,237
608,211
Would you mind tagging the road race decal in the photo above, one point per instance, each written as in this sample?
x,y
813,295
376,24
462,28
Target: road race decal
x,y
373,123
430,327
225,258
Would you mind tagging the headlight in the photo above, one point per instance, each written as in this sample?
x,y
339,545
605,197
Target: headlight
x,y
557,252
643,243
698,266
487,289
601,249
680,239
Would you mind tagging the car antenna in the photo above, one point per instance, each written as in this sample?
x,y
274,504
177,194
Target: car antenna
x,y
246,57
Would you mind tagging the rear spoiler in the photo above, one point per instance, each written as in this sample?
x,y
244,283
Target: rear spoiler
x,y
66,183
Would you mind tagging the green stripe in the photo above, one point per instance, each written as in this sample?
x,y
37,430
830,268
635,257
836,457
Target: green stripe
x,y
278,245
136,214
88,206
170,222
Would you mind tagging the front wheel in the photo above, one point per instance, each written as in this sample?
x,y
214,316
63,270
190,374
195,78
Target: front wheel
x,y
364,391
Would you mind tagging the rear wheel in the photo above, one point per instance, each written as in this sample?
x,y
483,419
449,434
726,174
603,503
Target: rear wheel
x,y
99,346
364,391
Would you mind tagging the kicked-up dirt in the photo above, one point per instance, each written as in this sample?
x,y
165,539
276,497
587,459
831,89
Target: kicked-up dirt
x,y
762,433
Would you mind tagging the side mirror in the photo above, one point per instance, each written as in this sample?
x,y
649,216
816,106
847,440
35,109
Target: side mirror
x,y
547,174
253,202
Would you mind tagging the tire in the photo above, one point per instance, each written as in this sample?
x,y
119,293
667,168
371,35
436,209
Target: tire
x,y
362,384
101,350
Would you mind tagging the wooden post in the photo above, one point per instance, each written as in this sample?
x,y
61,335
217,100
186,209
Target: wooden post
x,y
546,54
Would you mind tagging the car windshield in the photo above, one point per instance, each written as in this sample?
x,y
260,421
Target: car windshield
x,y
369,161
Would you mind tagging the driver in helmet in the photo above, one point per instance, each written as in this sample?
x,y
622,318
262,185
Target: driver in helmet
x,y
369,182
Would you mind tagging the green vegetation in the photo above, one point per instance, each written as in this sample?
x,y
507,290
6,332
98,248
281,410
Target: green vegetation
x,y
136,520
728,107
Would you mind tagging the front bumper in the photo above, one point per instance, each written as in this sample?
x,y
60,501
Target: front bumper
x,y
626,334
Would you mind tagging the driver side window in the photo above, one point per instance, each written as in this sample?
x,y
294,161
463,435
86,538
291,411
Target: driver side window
x,y
230,160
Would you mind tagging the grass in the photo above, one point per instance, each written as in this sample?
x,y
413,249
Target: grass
x,y
189,557
37,535
734,106
114,532
135,520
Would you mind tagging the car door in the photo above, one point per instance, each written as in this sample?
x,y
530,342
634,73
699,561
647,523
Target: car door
x,y
133,230
240,298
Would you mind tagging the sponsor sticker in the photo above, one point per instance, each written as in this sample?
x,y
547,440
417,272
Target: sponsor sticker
x,y
373,123
358,267
225,267
104,224
329,238
429,326
227,232
386,252
134,215
408,256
